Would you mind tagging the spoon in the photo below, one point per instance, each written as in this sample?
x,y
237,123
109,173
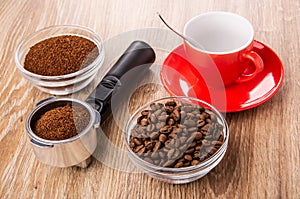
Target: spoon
x,y
188,39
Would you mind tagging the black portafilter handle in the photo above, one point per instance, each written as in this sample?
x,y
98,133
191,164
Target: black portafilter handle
x,y
137,54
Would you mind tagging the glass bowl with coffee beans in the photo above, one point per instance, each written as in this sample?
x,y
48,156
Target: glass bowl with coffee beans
x,y
176,139
60,59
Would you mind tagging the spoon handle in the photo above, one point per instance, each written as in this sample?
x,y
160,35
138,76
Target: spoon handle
x,y
180,35
186,38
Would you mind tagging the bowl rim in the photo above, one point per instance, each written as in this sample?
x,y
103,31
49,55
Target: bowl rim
x,y
202,164
98,41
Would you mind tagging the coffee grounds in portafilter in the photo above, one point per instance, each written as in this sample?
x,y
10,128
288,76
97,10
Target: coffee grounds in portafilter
x,y
176,134
60,55
62,122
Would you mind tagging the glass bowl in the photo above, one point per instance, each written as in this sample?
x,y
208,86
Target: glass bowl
x,y
160,163
62,84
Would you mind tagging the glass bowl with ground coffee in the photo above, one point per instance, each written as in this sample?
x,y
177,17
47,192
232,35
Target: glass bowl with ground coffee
x,y
60,59
176,139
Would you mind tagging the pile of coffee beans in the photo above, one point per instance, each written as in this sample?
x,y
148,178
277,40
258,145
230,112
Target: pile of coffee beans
x,y
176,134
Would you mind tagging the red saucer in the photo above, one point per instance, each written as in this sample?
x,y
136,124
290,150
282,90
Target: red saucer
x,y
180,78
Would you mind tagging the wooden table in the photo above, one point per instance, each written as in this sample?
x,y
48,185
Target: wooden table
x,y
262,160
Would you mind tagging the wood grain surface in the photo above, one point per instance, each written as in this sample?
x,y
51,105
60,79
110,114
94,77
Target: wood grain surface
x,y
262,160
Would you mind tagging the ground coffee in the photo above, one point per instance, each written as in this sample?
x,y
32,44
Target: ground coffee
x,y
60,55
62,122
176,134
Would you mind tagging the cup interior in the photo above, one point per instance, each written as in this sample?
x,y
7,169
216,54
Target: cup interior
x,y
219,32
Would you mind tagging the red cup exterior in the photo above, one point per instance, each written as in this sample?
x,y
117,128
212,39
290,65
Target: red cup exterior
x,y
221,70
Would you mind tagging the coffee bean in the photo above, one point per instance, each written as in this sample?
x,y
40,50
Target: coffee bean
x,y
164,129
195,162
131,145
162,138
170,129
156,162
212,151
145,113
177,143
183,147
173,134
162,118
186,164
198,148
153,106
167,142
171,122
178,165
190,150
205,127
213,118
139,149
153,118
204,133
149,145
201,109
181,126
196,154
221,138
177,130
193,144
154,155
157,112
137,141
176,153
172,143
197,135
147,154
183,115
188,157
206,143
176,115
169,163
169,109
148,160
150,128
154,135
171,103
170,153
159,125
201,123
217,143
208,137
190,140
187,108
182,140
202,158
157,146
189,123
161,154
192,129
190,116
